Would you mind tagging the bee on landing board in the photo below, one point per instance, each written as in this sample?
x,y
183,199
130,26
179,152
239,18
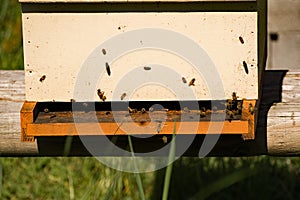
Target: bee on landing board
x,y
132,110
251,108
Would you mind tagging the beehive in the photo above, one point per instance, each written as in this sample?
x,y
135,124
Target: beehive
x,y
143,50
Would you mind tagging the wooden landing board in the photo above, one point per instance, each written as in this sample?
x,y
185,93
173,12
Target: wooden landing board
x,y
64,123
65,129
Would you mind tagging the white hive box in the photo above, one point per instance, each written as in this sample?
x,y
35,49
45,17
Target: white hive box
x,y
68,43
142,53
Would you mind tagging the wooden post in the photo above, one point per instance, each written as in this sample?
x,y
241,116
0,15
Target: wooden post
x,y
12,96
283,128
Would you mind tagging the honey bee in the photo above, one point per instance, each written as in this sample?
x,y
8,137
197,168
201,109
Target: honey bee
x,y
52,116
234,96
241,39
165,139
147,68
251,108
192,82
42,78
202,112
107,68
101,95
229,104
132,110
72,100
184,80
123,96
231,114
245,67
158,128
46,110
186,109
143,110
104,51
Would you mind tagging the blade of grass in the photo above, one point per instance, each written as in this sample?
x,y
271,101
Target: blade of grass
x,y
170,165
111,188
137,175
0,180
223,183
71,186
68,144
89,189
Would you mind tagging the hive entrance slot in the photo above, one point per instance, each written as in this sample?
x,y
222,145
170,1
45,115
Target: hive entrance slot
x,y
58,119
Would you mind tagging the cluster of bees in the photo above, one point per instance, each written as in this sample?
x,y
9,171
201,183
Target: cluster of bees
x,y
233,107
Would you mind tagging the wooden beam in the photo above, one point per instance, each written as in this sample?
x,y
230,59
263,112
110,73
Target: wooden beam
x,y
282,125
12,96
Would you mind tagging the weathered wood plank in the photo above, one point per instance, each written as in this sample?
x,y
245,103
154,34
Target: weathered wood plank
x,y
283,120
283,129
291,87
12,97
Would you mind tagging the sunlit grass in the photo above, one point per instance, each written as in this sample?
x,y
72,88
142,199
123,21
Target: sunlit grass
x,y
55,178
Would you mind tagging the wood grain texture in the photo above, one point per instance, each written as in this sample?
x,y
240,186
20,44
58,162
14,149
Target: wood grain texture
x,y
11,100
283,120
283,129
291,87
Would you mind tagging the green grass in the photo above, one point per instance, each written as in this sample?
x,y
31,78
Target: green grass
x,y
62,178
192,178
11,54
259,177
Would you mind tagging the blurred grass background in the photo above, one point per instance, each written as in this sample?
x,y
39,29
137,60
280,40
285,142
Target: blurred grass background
x,y
260,177
11,55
